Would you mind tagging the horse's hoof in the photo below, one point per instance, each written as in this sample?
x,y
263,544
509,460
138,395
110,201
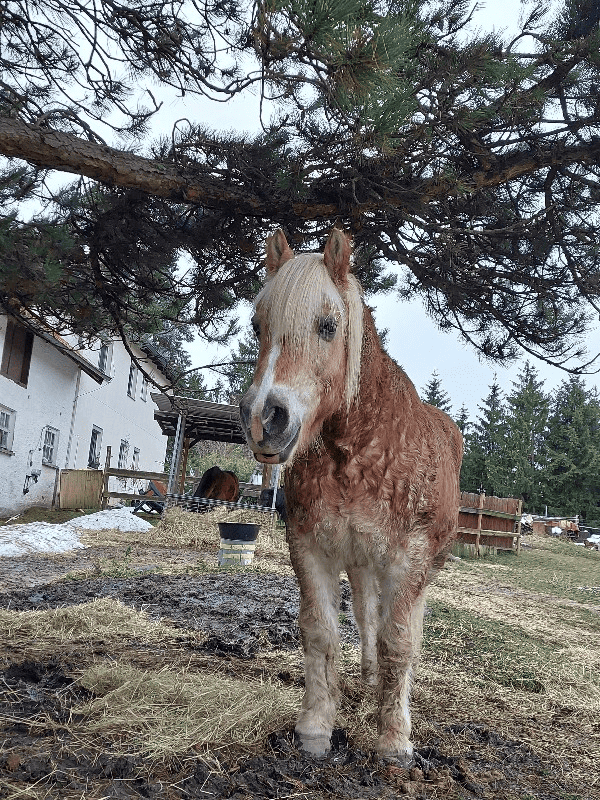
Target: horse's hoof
x,y
402,760
315,745
397,756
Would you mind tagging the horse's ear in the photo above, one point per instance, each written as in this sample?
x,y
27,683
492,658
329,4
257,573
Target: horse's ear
x,y
278,251
337,255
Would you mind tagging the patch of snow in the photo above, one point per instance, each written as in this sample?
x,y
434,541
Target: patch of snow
x,y
45,537
121,518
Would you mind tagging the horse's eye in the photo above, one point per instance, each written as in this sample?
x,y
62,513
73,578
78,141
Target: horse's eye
x,y
256,327
327,328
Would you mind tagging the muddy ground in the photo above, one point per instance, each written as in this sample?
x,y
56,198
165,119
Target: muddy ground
x,y
240,615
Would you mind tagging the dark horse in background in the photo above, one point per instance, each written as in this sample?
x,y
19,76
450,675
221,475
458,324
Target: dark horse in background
x,y
217,484
372,485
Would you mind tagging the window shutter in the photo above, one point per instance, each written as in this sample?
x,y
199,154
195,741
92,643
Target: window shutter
x,y
16,357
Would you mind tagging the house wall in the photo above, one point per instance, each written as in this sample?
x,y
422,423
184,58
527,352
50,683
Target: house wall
x,y
119,416
59,395
46,400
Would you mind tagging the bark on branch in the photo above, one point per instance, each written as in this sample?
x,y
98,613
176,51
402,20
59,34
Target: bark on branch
x,y
62,151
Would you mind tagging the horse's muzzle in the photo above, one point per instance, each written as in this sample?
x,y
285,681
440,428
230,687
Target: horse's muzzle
x,y
270,432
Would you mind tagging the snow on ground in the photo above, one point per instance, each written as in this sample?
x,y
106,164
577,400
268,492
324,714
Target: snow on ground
x,y
44,537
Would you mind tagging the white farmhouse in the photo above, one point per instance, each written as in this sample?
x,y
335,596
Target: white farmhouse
x,y
62,405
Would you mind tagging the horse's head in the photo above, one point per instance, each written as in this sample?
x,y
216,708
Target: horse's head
x,y
308,318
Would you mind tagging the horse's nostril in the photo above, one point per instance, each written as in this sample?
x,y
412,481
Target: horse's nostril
x,y
266,420
245,411
274,418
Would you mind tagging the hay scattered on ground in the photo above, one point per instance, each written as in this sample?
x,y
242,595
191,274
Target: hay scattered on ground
x,y
104,618
180,528
164,714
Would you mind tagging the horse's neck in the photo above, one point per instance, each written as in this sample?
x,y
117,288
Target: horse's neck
x,y
384,391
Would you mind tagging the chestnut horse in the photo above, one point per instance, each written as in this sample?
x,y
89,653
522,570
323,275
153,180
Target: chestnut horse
x,y
372,485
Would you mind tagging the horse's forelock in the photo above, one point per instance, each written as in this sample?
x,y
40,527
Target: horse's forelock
x,y
303,288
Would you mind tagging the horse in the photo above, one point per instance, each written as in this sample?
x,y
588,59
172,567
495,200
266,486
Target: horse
x,y
371,482
216,484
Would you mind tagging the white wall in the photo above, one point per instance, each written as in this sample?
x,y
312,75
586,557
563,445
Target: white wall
x,y
46,400
120,417
59,395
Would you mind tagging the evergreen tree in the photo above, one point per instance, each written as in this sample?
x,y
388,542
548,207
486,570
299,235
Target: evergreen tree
x,y
574,452
435,395
462,420
241,370
526,421
484,463
423,135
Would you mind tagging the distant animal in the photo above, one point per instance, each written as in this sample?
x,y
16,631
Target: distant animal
x,y
218,484
372,485
266,499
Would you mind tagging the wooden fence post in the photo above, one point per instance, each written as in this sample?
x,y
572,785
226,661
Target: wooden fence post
x,y
479,523
104,489
519,512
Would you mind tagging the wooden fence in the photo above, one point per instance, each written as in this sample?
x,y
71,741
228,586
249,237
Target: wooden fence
x,y
488,524
80,488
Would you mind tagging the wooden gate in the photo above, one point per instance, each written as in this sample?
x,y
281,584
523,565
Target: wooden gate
x,y
488,524
80,488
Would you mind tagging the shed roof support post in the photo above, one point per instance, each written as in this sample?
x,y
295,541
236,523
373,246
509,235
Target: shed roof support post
x,y
176,456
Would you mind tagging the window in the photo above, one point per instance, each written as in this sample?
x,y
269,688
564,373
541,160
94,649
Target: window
x,y
16,356
123,451
132,380
144,389
136,458
50,446
95,445
7,426
104,358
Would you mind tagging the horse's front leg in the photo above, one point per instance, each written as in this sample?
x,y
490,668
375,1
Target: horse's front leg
x,y
365,604
398,649
318,576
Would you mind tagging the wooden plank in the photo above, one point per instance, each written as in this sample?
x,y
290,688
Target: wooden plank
x,y
131,496
137,474
484,532
489,513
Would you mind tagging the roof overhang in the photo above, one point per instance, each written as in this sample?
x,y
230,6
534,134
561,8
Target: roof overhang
x,y
204,421
45,332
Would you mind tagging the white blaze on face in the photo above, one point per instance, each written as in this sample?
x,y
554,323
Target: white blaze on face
x,y
265,386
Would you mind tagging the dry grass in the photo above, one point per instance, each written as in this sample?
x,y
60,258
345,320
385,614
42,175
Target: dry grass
x,y
507,645
164,714
105,619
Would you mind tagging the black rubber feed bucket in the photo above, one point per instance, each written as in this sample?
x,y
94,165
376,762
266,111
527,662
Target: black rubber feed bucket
x,y
237,543
240,531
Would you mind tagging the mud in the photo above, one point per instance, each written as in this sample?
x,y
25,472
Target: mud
x,y
239,615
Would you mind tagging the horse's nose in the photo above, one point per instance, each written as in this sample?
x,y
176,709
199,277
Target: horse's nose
x,y
245,411
274,417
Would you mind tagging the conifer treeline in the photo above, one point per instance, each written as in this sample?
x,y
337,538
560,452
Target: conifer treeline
x,y
542,446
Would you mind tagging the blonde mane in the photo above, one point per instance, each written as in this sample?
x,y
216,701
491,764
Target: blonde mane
x,y
302,289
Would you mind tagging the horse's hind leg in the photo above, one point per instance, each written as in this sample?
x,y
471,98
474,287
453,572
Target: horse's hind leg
x,y
399,646
318,577
365,604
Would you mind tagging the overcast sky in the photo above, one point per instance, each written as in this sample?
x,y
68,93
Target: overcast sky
x,y
414,340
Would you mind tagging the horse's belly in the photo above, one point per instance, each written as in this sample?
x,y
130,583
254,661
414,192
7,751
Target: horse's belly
x,y
354,540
